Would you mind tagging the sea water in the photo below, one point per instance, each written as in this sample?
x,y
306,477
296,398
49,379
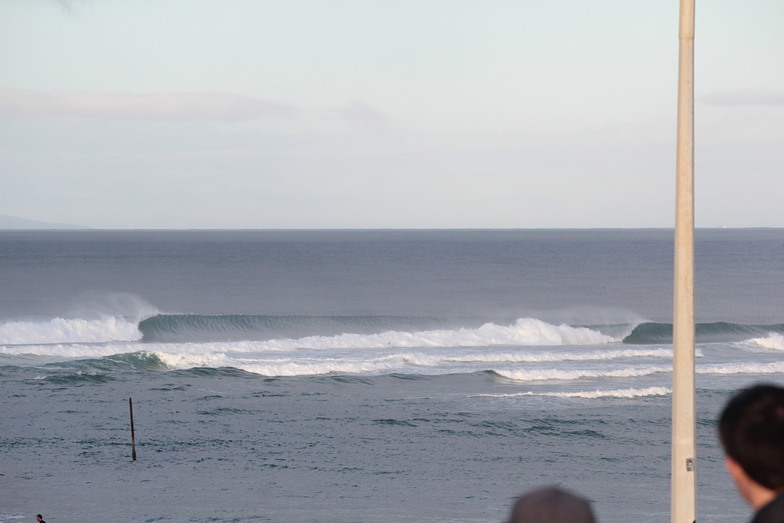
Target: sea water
x,y
366,376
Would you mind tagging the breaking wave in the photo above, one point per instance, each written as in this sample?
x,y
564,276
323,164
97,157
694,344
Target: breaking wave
x,y
551,374
331,332
61,330
284,332
775,341
653,333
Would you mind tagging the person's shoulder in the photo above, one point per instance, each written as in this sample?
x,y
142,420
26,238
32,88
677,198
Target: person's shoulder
x,y
773,512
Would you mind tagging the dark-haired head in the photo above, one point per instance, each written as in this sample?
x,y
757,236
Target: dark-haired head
x,y
551,505
751,428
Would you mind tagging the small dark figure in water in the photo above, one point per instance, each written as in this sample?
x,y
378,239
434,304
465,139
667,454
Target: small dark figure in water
x,y
751,428
39,518
551,505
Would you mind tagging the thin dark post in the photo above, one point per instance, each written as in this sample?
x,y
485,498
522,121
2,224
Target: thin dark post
x,y
133,437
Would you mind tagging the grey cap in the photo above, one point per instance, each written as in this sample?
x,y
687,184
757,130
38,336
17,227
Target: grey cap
x,y
551,505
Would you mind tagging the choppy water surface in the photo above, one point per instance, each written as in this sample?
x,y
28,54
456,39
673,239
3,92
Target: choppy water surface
x,y
360,376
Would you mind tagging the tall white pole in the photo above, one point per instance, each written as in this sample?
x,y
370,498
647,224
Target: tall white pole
x,y
683,486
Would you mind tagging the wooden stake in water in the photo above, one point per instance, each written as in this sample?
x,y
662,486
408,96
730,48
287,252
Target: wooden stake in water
x,y
133,436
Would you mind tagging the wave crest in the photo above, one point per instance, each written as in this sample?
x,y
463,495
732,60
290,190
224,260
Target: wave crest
x,y
61,330
595,394
657,333
569,375
775,341
524,332
361,331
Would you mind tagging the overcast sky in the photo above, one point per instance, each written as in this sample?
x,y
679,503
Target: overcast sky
x,y
385,114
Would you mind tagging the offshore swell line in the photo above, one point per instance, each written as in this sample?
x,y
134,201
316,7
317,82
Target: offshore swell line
x,y
286,332
528,366
524,350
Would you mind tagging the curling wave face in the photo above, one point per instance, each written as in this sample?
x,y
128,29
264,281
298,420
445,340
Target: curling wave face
x,y
523,350
74,330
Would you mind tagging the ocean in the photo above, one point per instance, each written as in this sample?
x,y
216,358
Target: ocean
x,y
367,375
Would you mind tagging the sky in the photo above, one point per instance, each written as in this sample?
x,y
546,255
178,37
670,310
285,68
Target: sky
x,y
302,114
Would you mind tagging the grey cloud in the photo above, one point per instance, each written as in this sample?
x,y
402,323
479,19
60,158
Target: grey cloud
x,y
128,106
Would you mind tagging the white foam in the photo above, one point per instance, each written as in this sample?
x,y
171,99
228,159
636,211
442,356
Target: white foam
x,y
535,374
595,394
61,330
289,358
620,393
774,341
524,332
544,356
285,366
386,359
742,368
87,350
67,351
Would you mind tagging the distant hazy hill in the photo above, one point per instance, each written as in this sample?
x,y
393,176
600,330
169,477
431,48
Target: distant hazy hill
x,y
12,222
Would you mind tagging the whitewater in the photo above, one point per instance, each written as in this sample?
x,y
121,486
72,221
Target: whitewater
x,y
338,376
